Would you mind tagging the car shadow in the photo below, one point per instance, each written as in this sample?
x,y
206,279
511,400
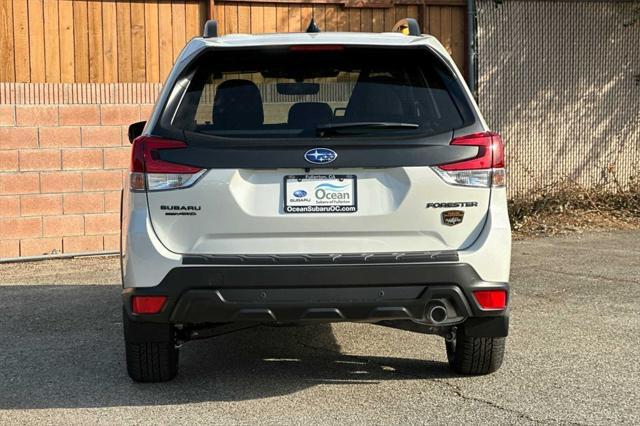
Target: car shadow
x,y
64,348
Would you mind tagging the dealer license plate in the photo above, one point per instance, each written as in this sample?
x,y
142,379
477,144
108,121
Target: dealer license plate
x,y
320,194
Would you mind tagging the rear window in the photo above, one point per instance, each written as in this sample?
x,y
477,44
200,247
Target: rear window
x,y
292,92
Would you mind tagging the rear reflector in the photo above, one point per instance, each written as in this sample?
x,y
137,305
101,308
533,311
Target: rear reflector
x,y
147,304
491,299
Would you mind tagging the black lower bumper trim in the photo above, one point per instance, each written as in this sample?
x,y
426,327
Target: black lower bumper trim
x,y
294,293
314,304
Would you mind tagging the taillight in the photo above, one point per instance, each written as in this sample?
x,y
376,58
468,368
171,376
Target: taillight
x,y
147,304
491,299
150,172
484,170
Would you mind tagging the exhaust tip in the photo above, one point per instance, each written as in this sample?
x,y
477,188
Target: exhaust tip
x,y
437,314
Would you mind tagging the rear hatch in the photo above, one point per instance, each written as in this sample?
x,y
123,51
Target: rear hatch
x,y
317,149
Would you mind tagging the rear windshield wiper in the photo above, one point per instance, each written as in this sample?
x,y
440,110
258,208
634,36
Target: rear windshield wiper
x,y
361,127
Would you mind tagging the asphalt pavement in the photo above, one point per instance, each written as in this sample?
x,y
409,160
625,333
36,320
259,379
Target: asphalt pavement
x,y
572,356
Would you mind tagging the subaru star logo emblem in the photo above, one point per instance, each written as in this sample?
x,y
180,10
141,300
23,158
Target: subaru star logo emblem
x,y
320,155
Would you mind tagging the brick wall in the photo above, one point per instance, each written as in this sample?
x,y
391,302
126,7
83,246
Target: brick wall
x,y
63,159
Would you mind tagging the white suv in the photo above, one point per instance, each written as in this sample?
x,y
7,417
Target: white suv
x,y
315,177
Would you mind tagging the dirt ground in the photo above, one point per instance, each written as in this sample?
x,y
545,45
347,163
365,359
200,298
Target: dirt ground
x,y
573,222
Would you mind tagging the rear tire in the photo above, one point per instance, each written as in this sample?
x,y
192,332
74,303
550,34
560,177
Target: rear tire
x,y
150,361
475,355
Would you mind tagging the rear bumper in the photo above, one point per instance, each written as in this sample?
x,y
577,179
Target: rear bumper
x,y
325,293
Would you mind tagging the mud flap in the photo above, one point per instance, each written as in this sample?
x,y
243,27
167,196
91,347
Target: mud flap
x,y
487,327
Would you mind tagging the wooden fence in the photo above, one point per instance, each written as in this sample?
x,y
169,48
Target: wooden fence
x,y
105,41
94,41
443,19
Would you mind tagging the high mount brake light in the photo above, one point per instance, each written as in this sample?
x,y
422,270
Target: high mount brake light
x,y
150,172
316,48
486,169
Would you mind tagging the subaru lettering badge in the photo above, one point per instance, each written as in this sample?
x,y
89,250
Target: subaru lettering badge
x,y
320,155
299,193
